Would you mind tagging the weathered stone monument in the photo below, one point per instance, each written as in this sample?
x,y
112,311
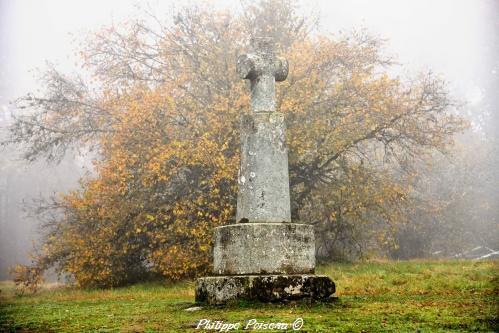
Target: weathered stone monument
x,y
264,256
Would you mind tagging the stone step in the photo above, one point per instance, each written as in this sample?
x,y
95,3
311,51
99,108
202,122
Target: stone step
x,y
217,290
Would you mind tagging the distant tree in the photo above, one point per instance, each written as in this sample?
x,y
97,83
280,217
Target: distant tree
x,y
457,204
163,113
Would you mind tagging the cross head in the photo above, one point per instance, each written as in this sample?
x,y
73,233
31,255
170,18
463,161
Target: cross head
x,y
263,68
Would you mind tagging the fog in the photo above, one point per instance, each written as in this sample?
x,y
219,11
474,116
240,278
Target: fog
x,y
457,39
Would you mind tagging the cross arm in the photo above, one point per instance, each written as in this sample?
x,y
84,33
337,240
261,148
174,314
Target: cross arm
x,y
281,68
246,67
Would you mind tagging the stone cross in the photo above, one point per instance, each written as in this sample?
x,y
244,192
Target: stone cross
x,y
263,68
263,256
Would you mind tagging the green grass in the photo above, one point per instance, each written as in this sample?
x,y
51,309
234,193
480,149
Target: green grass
x,y
412,296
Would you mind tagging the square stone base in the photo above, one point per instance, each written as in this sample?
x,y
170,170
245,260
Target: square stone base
x,y
263,288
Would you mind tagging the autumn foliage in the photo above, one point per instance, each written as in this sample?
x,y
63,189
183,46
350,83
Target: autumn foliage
x,y
163,110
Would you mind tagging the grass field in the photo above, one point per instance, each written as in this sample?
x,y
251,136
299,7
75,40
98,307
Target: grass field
x,y
413,296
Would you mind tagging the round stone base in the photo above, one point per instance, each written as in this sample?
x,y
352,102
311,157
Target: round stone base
x,y
264,249
264,288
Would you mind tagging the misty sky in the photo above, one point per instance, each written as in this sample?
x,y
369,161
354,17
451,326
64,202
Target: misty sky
x,y
448,36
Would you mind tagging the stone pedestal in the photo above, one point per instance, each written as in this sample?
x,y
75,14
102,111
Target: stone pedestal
x,y
264,248
263,257
263,262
